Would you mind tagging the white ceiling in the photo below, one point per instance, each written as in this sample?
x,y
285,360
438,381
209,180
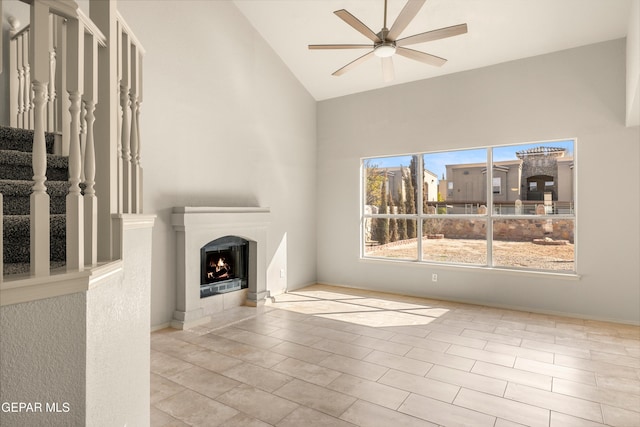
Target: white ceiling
x,y
499,31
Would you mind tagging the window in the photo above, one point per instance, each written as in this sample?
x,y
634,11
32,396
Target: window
x,y
506,206
497,186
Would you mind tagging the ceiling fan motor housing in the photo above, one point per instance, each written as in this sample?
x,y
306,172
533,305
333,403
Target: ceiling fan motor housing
x,y
386,43
384,49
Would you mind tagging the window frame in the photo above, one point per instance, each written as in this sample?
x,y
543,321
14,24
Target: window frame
x,y
489,217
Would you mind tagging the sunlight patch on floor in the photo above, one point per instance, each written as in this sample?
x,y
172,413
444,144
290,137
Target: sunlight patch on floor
x,y
358,310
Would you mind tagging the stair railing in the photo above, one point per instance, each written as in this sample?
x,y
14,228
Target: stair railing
x,y
58,54
130,55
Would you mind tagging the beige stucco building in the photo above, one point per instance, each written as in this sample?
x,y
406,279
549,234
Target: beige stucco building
x,y
533,173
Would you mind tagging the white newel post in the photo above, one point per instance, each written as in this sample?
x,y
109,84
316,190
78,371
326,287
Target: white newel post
x,y
14,66
75,205
90,200
120,172
135,156
126,128
39,200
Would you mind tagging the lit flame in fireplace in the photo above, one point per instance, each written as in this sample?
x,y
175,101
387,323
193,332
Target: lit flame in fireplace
x,y
219,270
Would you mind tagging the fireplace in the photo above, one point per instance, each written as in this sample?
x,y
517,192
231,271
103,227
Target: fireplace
x,y
221,261
223,266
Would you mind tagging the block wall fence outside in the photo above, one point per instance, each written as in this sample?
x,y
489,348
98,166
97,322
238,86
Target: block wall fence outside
x,y
505,229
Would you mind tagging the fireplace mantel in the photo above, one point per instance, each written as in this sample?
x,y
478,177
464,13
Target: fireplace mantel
x,y
196,226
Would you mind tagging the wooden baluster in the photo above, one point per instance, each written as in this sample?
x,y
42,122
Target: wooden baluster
x,y
14,66
126,129
26,89
139,172
83,137
133,100
90,200
61,146
39,200
75,205
21,77
51,102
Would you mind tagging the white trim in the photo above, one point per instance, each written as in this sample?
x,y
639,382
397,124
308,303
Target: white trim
x,y
133,221
20,289
451,266
494,305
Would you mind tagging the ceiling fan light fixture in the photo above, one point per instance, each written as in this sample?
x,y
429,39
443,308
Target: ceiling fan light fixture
x,y
386,42
385,50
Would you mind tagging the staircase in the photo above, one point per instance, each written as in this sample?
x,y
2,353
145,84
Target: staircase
x,y
16,173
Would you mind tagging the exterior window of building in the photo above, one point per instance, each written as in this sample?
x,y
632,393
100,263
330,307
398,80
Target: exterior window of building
x,y
502,207
497,186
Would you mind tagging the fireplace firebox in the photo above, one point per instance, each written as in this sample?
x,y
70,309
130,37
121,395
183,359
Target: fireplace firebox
x,y
224,266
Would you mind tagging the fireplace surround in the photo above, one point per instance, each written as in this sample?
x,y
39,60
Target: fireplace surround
x,y
224,237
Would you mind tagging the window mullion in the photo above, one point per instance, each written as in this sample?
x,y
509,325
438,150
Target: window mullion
x,y
489,185
420,203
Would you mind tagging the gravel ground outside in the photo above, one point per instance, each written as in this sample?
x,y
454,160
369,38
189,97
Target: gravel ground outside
x,y
505,254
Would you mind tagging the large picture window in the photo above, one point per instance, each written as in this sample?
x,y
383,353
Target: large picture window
x,y
506,207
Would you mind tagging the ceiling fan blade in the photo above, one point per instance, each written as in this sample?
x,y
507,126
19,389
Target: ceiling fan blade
x,y
421,56
408,12
351,65
340,46
357,25
441,33
387,69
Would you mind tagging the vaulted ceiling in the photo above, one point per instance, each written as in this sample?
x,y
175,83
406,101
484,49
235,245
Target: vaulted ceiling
x,y
498,31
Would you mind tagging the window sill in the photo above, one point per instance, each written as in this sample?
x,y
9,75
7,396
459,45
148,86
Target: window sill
x,y
474,268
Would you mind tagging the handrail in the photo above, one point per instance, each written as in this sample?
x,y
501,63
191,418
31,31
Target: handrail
x,y
92,28
64,8
130,33
19,33
87,23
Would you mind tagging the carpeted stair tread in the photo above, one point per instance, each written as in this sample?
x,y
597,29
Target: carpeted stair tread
x,y
16,182
24,267
16,240
21,139
18,165
12,187
24,158
17,196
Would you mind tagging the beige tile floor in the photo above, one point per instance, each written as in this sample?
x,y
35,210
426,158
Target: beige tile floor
x,y
329,356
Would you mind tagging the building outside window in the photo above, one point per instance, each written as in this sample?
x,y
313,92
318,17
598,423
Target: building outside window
x,y
506,206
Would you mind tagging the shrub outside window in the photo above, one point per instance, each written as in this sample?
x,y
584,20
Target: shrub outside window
x,y
506,207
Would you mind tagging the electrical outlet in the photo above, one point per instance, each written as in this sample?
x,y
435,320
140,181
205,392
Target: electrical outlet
x,y
434,277
282,273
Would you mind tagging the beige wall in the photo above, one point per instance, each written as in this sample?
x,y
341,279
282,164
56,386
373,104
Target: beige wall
x,y
224,123
549,97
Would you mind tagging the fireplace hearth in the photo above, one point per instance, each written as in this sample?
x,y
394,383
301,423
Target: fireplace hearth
x,y
220,261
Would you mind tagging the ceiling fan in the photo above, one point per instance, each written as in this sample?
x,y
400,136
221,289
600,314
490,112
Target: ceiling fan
x,y
386,42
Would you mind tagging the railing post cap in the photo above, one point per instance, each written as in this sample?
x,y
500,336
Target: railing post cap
x,y
13,22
